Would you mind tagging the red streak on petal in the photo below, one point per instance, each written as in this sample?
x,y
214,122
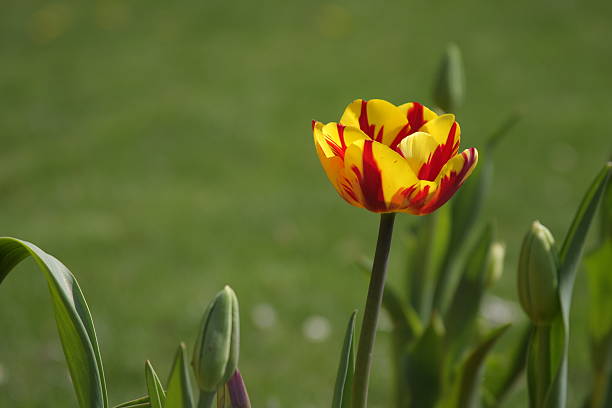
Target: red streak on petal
x,y
338,151
371,180
443,153
314,122
450,183
419,198
341,135
403,132
349,191
415,116
364,123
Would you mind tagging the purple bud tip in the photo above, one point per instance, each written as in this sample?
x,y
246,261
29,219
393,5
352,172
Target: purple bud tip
x,y
238,392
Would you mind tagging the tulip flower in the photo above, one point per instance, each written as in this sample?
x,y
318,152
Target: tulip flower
x,y
388,158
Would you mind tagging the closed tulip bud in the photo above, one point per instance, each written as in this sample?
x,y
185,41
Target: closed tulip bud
x,y
538,275
495,263
450,87
238,392
215,355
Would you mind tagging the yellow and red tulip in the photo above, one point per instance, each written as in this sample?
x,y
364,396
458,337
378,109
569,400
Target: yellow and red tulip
x,y
388,158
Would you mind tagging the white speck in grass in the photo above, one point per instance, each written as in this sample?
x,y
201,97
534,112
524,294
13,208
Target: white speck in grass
x,y
316,328
264,316
499,311
3,376
273,402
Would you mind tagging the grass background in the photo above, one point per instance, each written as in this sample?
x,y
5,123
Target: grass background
x,y
163,149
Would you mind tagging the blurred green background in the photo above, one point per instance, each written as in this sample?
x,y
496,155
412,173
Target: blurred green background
x,y
163,149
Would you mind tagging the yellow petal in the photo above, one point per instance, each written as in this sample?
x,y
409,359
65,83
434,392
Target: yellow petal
x,y
379,172
418,149
379,119
440,128
334,138
334,169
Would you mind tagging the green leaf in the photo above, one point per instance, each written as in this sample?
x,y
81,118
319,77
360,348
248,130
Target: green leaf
x,y
424,365
74,322
466,388
344,378
571,250
505,372
179,392
599,278
142,402
156,391
406,323
466,207
432,236
466,301
569,257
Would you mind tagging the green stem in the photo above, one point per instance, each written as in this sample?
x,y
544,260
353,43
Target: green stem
x,y
207,399
541,359
372,309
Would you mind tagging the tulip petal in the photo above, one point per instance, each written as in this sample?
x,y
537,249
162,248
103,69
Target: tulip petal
x,y
446,132
380,120
334,169
417,114
452,176
417,149
378,173
334,138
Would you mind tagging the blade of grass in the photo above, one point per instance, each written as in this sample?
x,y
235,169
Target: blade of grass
x,y
344,378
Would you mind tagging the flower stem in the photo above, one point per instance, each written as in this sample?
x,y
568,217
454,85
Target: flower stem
x,y
207,399
372,309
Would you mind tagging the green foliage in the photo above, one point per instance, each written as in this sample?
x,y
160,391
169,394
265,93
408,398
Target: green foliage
x,y
466,392
424,363
549,344
74,322
157,395
179,393
599,278
344,378
142,402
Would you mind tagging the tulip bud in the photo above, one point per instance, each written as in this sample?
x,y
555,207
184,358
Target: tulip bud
x,y
495,263
538,275
215,355
237,391
450,87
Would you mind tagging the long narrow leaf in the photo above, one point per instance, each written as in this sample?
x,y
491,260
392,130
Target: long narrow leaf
x,y
466,208
505,376
74,322
142,402
179,393
569,258
155,389
470,290
424,367
432,237
344,379
466,391
571,250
